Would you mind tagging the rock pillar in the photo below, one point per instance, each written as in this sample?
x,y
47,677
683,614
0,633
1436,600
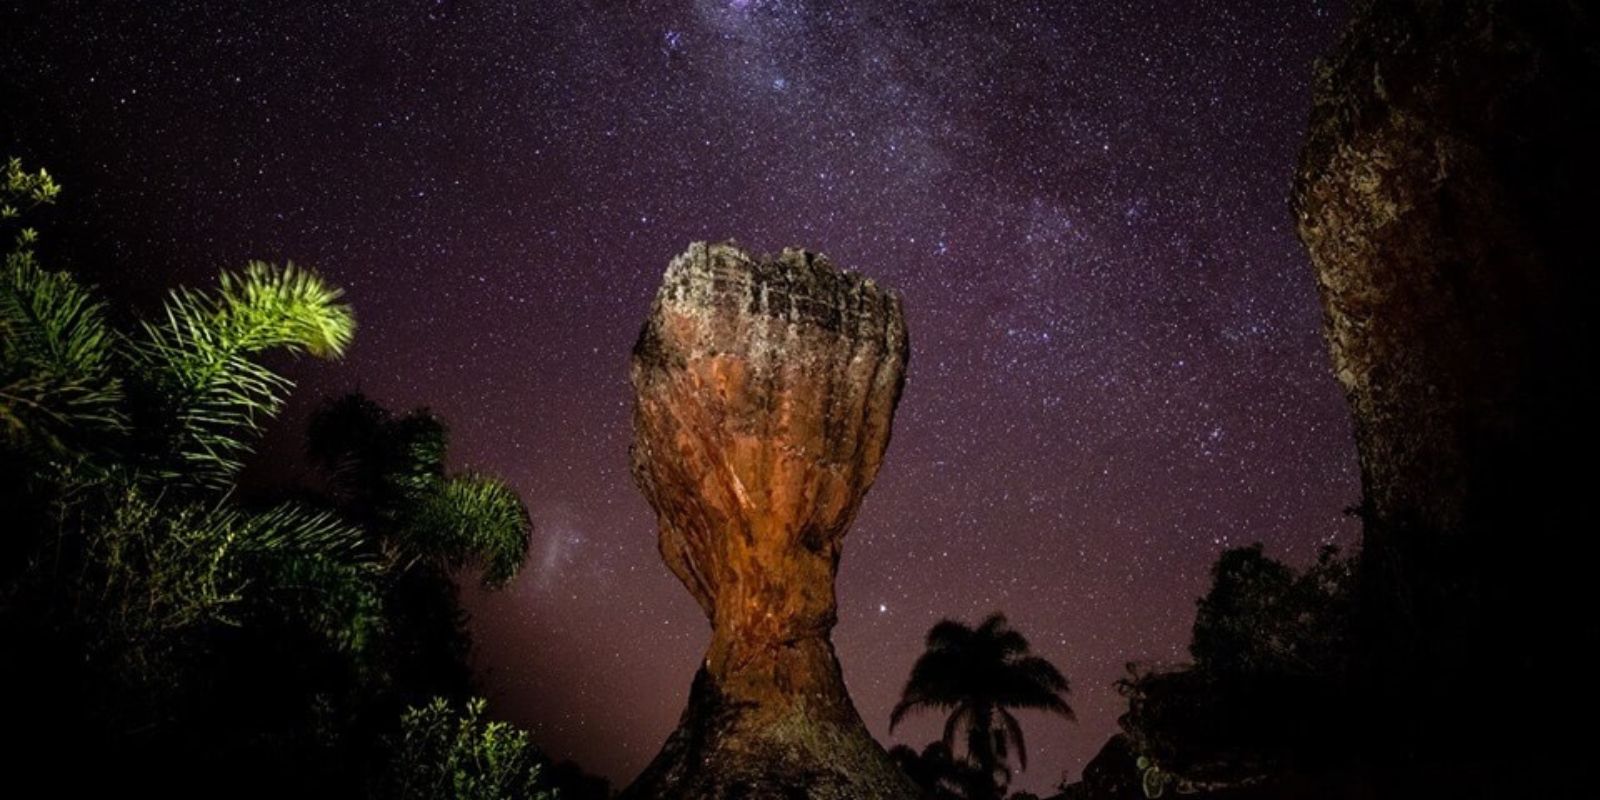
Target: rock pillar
x,y
764,393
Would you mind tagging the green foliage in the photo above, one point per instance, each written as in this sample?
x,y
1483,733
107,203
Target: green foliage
x,y
22,190
124,443
180,628
444,753
119,446
162,569
474,516
56,350
159,558
978,676
390,470
212,396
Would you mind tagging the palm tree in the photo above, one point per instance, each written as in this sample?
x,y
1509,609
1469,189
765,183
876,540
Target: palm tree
x,y
979,676
385,473
388,475
121,445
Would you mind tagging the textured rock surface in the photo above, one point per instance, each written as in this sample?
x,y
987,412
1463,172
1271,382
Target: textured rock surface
x,y
764,393
1447,194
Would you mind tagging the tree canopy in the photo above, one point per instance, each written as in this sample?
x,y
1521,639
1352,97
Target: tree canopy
x,y
179,631
978,677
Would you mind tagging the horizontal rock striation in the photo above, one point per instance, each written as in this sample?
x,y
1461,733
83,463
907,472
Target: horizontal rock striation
x,y
765,389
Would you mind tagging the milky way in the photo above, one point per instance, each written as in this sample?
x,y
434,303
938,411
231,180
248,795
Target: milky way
x,y
1116,367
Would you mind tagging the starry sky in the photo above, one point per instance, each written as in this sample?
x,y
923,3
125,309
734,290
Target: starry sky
x,y
1117,369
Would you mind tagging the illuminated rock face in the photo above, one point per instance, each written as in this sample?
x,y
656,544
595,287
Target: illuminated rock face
x,y
764,394
1447,195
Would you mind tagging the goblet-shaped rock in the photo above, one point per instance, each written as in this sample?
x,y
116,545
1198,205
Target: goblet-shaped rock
x,y
764,394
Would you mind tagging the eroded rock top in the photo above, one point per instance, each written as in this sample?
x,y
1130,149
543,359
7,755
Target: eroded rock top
x,y
731,295
765,389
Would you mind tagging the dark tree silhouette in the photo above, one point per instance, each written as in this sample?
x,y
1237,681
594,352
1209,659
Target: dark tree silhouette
x,y
388,474
939,774
1269,691
979,676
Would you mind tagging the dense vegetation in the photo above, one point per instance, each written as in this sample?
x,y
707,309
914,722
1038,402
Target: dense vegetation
x,y
1269,704
164,635
1270,688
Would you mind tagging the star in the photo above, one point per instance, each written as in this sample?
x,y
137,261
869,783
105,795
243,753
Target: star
x,y
1116,371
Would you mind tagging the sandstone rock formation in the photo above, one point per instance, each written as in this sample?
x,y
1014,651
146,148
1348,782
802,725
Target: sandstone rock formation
x,y
1447,194
764,393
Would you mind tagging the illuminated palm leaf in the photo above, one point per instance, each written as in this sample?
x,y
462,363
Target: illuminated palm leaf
x,y
56,350
389,473
213,397
473,517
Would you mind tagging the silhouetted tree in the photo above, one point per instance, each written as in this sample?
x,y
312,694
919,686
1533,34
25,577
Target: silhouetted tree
x,y
939,773
386,473
1269,689
1262,616
571,782
978,676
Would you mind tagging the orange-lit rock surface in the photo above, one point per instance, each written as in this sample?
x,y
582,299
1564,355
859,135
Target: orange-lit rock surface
x,y
764,393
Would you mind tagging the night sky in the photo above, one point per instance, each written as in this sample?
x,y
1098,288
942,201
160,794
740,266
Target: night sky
x,y
1117,368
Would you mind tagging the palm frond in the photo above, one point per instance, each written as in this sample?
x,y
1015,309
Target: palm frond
x,y
318,569
1013,732
992,626
475,517
912,702
56,352
961,718
948,633
199,356
268,306
422,438
294,528
1008,642
170,566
